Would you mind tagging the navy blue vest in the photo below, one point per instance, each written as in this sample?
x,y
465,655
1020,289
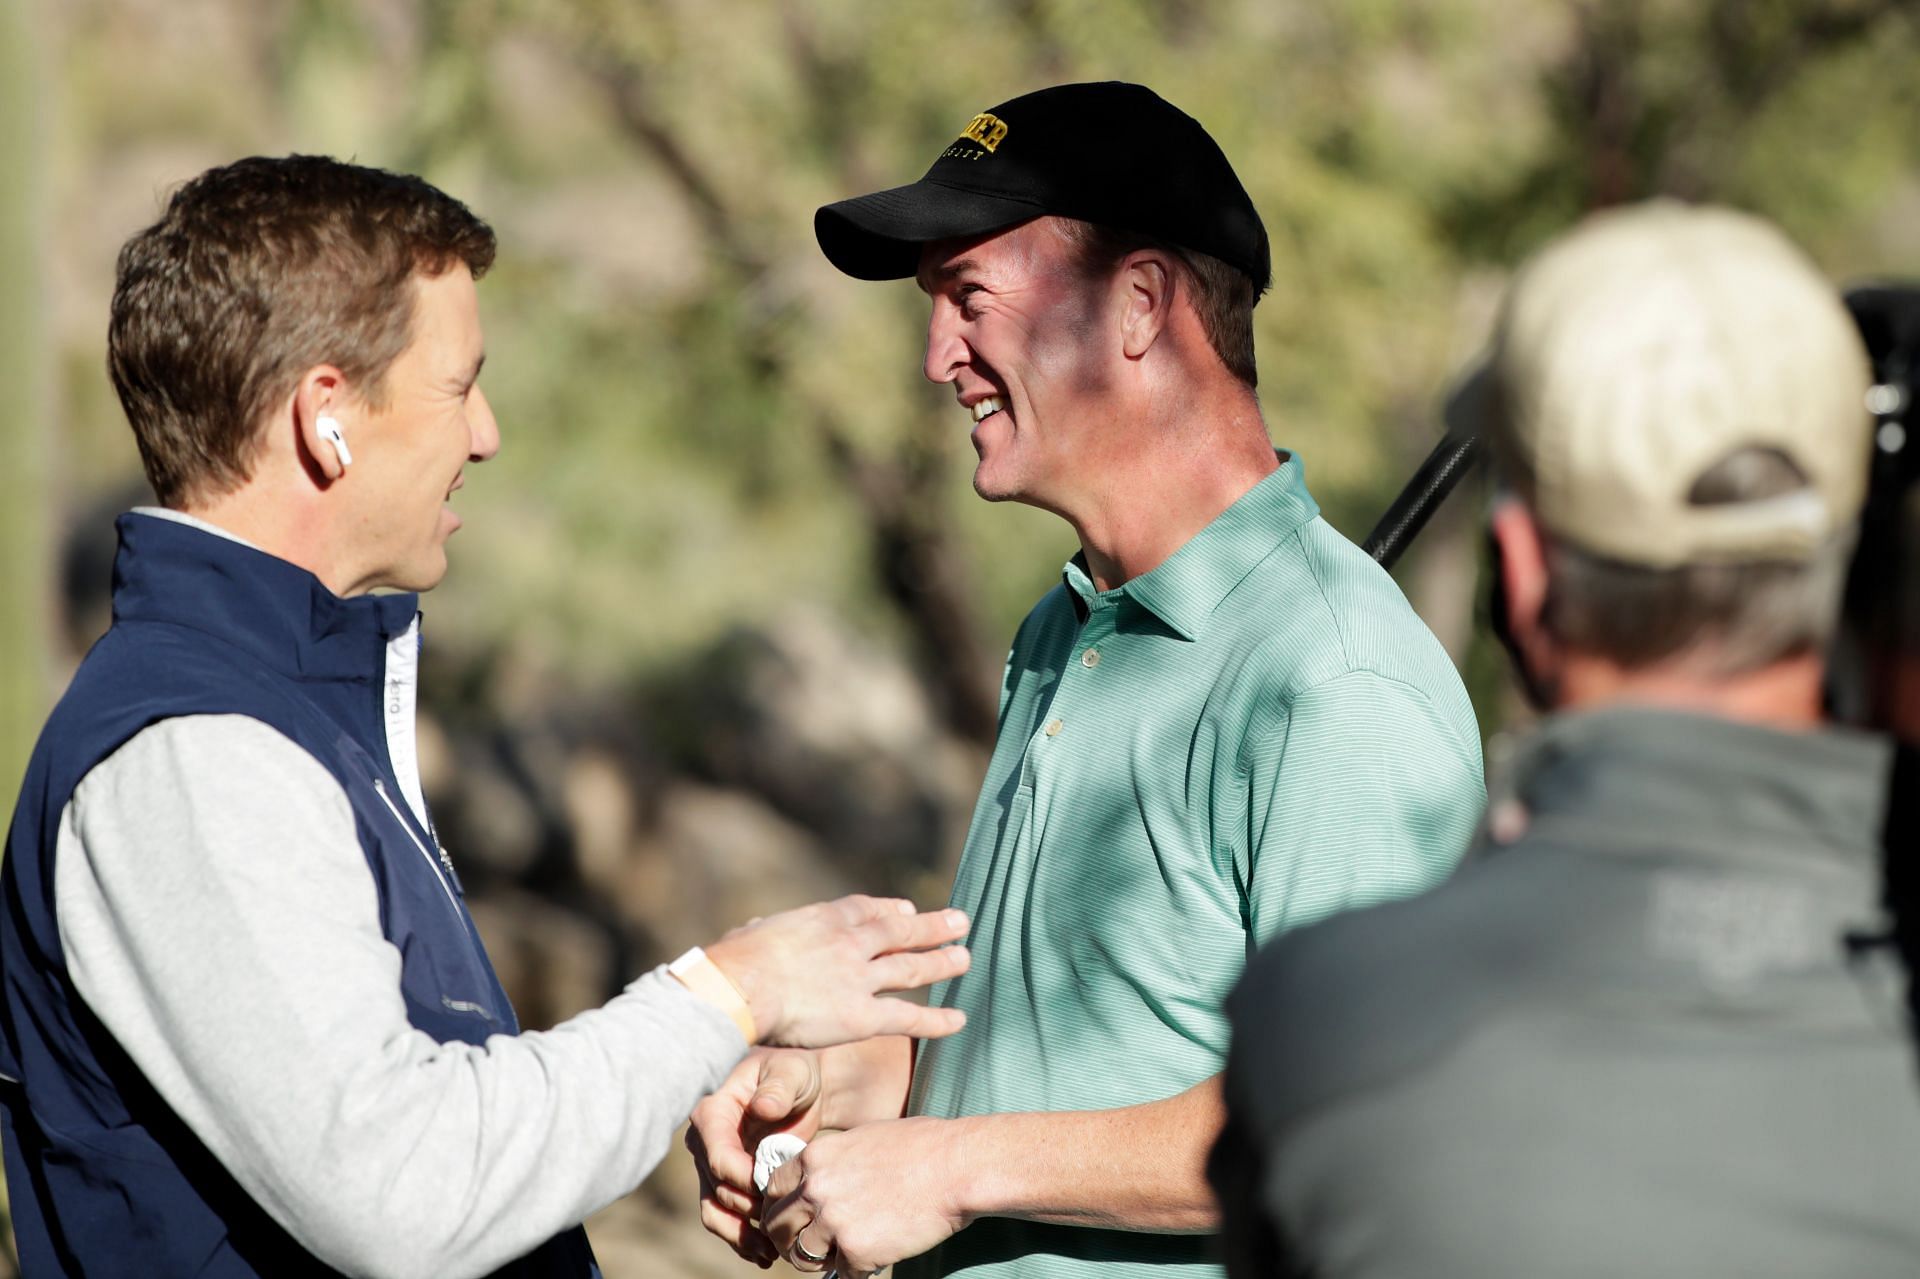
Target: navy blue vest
x,y
103,1178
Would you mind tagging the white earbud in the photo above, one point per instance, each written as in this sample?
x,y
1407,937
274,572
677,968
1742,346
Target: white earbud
x,y
329,429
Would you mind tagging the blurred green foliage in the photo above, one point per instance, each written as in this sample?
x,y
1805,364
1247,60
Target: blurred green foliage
x,y
705,424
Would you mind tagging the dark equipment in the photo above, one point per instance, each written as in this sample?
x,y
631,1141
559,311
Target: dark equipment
x,y
1874,678
1452,458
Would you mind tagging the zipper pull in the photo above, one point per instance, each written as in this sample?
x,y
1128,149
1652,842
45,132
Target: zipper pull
x,y
433,833
449,881
446,862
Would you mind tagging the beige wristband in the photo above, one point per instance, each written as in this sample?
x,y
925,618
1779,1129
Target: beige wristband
x,y
704,978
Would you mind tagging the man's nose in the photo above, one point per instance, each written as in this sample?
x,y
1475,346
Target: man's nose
x,y
946,351
480,421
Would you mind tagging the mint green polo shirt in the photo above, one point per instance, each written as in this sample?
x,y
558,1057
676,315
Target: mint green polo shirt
x,y
1254,735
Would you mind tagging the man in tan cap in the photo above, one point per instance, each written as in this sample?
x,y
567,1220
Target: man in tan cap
x,y
1649,1027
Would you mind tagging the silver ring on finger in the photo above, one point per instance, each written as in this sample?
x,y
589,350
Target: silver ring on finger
x,y
802,1253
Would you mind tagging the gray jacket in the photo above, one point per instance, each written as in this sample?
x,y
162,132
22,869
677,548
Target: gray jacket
x,y
1658,1032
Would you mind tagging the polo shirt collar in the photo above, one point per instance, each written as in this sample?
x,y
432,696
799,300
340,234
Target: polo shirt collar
x,y
1188,585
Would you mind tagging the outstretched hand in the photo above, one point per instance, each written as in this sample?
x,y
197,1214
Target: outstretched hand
x,y
820,975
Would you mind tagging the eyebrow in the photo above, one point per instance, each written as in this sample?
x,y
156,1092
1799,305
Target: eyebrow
x,y
941,274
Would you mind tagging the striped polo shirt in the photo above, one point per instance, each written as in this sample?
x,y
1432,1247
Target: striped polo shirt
x,y
1254,735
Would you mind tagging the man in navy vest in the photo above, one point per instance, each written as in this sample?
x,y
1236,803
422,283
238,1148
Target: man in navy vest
x,y
247,1026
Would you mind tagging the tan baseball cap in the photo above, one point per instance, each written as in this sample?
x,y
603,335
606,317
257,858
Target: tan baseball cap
x,y
1651,343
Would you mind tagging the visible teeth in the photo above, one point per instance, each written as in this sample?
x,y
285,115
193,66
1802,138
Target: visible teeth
x,y
988,406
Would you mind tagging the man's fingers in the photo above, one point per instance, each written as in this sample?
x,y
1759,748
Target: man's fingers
x,y
858,908
756,1247
734,1200
700,1164
914,932
737,1233
782,1220
915,969
714,1139
789,1083
773,1102
793,1218
898,1017
785,1180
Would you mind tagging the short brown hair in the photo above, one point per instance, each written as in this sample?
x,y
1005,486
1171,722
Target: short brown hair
x,y
258,271
1738,616
1223,296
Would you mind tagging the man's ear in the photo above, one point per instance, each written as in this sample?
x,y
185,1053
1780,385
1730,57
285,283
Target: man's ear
x,y
320,399
1147,285
1520,598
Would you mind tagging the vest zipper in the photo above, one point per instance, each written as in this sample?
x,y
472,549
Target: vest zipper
x,y
380,788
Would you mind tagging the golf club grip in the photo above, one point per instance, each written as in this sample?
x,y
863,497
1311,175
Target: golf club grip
x,y
1445,467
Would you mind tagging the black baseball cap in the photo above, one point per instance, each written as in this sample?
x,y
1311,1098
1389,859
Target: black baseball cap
x,y
1115,154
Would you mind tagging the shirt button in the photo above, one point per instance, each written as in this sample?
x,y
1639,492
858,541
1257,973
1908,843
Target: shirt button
x,y
1054,728
1090,658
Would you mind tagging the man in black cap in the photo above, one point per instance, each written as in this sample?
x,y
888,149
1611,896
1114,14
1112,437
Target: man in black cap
x,y
1224,723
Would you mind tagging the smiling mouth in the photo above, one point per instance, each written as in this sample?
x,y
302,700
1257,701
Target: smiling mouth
x,y
987,408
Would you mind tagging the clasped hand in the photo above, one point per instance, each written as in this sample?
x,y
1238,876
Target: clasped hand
x,y
866,1198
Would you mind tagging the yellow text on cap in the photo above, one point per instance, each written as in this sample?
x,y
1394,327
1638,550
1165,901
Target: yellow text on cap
x,y
988,130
